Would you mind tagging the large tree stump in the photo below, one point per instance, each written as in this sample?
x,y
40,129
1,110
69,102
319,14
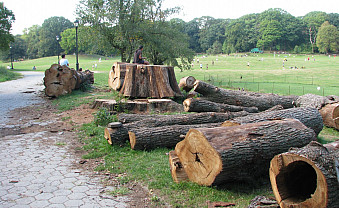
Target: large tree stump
x,y
238,153
200,105
177,170
120,135
116,76
61,80
330,114
247,99
306,177
187,83
150,81
161,137
310,117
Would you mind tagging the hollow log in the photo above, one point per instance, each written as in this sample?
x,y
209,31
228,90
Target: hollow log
x,y
150,81
306,177
212,156
187,83
200,105
177,170
310,117
61,80
242,98
330,114
120,135
116,76
161,137
311,101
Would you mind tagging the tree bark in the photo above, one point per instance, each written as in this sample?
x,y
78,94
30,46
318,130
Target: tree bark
x,y
242,98
310,117
200,105
330,114
61,80
306,177
116,76
187,83
148,81
312,101
177,170
161,137
212,156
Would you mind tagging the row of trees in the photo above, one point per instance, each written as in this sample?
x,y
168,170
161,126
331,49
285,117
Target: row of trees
x,y
110,27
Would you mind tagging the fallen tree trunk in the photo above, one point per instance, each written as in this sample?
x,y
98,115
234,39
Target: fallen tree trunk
x,y
150,81
120,135
242,98
116,76
330,114
161,137
61,80
200,105
238,153
177,170
187,83
306,177
310,117
311,101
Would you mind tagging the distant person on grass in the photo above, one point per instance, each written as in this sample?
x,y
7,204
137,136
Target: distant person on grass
x,y
138,59
63,60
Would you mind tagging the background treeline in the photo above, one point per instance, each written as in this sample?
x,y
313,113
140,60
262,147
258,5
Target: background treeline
x,y
117,28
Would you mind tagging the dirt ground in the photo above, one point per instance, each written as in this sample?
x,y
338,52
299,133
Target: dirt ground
x,y
45,117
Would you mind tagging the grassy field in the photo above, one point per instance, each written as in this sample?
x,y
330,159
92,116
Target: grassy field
x,y
265,73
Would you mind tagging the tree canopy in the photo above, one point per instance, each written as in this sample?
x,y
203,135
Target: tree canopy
x,y
6,20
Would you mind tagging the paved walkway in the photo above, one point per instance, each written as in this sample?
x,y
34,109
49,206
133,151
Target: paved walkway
x,y
36,168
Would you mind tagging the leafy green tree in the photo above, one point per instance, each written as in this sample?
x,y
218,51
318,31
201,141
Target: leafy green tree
x,y
271,32
211,30
328,38
313,21
333,19
19,47
31,37
51,27
192,30
215,49
6,20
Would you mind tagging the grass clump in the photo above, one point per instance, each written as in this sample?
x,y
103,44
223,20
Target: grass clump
x,y
103,117
6,75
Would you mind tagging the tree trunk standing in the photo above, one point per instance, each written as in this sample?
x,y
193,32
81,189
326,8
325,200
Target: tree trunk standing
x,y
147,81
238,153
200,105
117,75
61,80
177,170
161,137
187,83
310,117
120,135
306,177
242,98
330,114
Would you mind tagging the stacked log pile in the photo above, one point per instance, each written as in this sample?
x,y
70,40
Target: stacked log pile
x,y
61,80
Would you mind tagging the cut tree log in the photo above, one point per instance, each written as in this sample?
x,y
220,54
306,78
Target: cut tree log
x,y
150,81
200,105
311,101
187,83
306,177
161,137
213,156
177,170
330,114
116,76
61,80
242,98
310,117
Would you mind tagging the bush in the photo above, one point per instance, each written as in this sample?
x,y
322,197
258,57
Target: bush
x,y
6,75
103,117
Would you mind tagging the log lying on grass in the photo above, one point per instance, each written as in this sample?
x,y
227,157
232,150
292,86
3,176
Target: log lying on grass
x,y
311,101
61,80
242,98
310,117
161,137
150,81
238,153
116,76
200,105
177,170
306,177
187,83
330,114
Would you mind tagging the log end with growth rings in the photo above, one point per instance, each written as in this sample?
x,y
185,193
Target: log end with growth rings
x,y
200,160
297,182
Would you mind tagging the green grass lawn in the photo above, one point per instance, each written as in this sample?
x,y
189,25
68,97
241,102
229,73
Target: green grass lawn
x,y
265,73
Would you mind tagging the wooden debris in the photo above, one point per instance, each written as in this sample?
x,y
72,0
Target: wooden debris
x,y
330,115
177,170
187,83
219,204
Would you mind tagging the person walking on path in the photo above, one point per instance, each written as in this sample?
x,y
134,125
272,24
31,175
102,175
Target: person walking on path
x,y
138,59
64,61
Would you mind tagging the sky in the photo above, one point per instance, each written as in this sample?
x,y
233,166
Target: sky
x,y
34,12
